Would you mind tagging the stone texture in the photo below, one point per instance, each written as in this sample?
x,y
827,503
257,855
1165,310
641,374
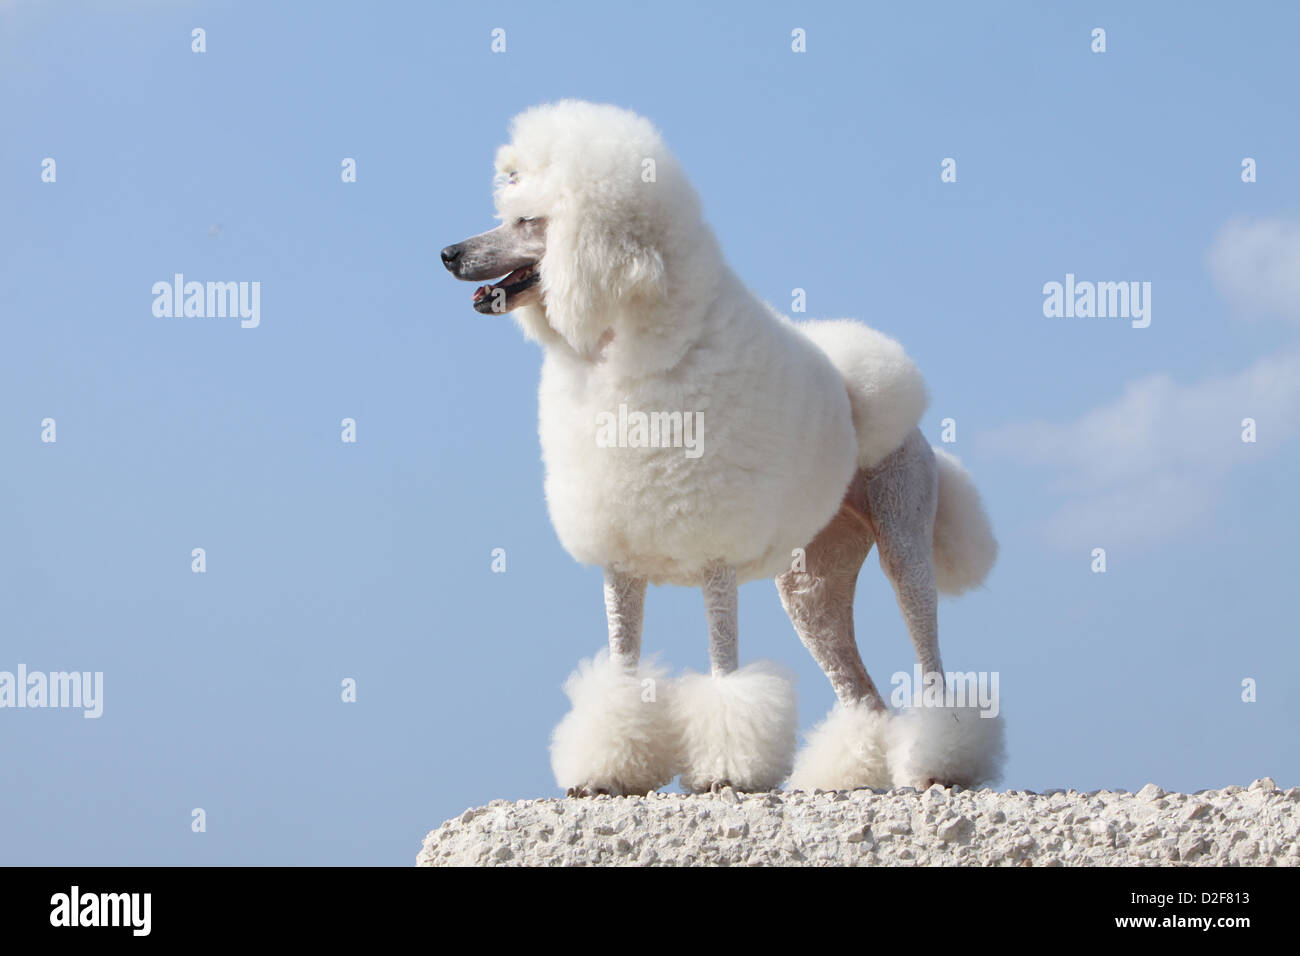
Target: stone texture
x,y
1258,826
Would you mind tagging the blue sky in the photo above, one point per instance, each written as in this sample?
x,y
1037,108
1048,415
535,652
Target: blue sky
x,y
372,560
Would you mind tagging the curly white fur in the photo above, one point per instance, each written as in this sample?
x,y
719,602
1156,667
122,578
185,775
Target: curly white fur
x,y
846,751
948,745
737,728
614,738
638,312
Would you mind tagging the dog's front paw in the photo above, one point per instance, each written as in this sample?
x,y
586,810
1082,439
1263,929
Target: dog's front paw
x,y
715,787
589,790
617,739
737,730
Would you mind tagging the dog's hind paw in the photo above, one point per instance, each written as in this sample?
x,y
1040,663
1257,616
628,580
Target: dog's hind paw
x,y
950,746
846,751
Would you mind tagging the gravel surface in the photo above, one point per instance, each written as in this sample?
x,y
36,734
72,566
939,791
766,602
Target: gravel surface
x,y
1255,826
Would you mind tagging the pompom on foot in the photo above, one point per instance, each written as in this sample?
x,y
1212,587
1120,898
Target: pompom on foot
x,y
846,751
947,745
618,737
736,729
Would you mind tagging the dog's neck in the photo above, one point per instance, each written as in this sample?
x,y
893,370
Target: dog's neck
x,y
598,353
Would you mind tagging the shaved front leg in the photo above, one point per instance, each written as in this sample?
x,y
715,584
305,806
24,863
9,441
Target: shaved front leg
x,y
736,725
720,607
625,611
614,740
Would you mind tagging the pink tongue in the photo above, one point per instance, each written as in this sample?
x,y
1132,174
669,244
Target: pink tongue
x,y
480,292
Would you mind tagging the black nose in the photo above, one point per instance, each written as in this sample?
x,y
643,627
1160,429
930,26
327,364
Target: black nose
x,y
450,255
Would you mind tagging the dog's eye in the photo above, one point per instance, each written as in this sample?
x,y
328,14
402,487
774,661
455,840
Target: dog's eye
x,y
525,219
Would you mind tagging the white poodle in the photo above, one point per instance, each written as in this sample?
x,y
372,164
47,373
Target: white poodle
x,y
692,435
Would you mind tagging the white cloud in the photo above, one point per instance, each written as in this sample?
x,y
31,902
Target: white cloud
x,y
1257,266
1153,460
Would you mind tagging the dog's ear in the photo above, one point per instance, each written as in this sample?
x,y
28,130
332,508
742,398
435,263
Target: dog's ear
x,y
594,274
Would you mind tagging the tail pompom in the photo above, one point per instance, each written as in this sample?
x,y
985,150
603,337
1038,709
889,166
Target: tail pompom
x,y
964,546
886,391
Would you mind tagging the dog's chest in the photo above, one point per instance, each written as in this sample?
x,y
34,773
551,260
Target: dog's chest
x,y
595,426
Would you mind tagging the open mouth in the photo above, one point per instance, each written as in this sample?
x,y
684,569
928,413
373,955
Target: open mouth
x,y
486,296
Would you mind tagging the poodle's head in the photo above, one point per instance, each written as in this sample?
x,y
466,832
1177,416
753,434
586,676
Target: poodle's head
x,y
593,210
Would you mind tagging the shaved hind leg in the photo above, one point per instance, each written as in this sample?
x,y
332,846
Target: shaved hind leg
x,y
930,741
901,497
819,600
848,749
